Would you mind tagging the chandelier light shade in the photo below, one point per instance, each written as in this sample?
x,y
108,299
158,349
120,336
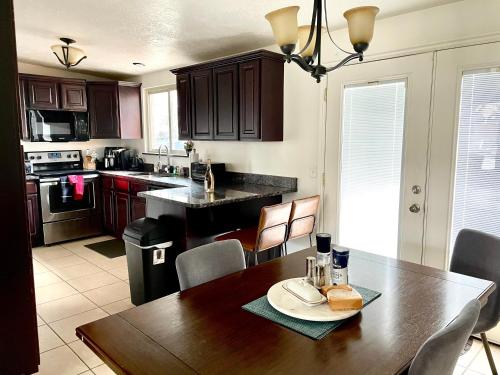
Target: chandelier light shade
x,y
303,37
284,24
67,55
360,22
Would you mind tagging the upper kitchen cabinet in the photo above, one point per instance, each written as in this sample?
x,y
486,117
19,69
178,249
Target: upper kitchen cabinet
x,y
43,94
73,96
52,93
226,102
184,106
114,109
201,104
240,97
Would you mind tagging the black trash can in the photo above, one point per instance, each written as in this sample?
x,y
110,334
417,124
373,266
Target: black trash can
x,y
150,260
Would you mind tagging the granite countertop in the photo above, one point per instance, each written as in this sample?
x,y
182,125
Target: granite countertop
x,y
189,193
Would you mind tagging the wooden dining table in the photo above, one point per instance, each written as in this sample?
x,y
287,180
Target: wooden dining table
x,y
204,330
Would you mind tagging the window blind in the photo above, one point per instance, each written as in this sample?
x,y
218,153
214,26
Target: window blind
x,y
476,203
372,146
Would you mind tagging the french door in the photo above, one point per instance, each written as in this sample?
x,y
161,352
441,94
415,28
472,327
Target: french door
x,y
376,138
464,166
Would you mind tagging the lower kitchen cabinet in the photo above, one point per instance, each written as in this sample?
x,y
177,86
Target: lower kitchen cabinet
x,y
137,208
107,207
122,212
121,205
33,208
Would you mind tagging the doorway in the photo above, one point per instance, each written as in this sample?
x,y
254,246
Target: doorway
x,y
376,155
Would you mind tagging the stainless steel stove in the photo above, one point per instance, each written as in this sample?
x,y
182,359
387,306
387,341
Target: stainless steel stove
x,y
64,217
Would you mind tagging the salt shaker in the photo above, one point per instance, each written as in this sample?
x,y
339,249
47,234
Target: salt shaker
x,y
340,262
310,266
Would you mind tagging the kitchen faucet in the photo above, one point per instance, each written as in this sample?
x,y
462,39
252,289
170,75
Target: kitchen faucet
x,y
157,168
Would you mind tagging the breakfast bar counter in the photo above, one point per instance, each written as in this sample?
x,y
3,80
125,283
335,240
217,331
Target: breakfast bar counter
x,y
195,217
205,330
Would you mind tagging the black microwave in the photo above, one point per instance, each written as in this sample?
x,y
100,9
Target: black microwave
x,y
198,171
58,126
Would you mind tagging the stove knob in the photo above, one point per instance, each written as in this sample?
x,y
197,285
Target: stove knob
x,y
75,155
38,157
32,157
68,156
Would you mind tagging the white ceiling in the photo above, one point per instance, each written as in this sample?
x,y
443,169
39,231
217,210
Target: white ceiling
x,y
163,33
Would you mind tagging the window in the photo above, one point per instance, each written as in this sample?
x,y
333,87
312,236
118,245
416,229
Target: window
x,y
476,202
371,163
162,120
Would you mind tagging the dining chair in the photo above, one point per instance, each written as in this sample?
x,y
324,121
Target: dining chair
x,y
209,262
271,231
439,354
477,254
302,218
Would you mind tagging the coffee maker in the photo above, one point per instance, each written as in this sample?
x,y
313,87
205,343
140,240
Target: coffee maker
x,y
110,161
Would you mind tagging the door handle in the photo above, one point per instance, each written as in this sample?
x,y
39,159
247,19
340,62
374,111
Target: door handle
x,y
415,208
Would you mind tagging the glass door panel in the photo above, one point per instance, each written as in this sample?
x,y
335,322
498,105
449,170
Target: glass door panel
x,y
371,156
476,201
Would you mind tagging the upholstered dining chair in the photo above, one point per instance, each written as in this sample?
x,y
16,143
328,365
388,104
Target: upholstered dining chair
x,y
302,218
209,262
477,254
271,231
439,354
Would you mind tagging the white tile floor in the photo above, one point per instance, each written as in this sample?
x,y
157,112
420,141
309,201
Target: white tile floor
x,y
75,285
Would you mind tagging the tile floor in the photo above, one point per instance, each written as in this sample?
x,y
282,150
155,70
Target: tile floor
x,y
75,285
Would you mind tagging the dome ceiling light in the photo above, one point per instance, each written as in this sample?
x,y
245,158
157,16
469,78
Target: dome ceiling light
x,y
67,55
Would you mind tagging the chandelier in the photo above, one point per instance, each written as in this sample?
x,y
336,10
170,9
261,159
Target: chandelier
x,y
67,55
360,22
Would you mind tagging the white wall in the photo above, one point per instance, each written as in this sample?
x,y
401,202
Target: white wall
x,y
94,144
299,155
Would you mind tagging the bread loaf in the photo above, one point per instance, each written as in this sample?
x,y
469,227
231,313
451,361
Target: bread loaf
x,y
326,288
344,297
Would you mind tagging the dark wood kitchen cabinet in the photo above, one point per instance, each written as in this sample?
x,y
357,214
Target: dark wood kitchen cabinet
x,y
225,81
236,98
103,109
121,205
107,208
73,96
184,106
52,93
33,209
201,104
114,109
122,212
43,94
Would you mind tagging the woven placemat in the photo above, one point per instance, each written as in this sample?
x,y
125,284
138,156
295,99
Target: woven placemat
x,y
314,330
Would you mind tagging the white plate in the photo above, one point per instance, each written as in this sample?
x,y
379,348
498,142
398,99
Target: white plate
x,y
289,305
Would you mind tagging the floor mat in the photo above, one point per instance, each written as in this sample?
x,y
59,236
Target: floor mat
x,y
110,248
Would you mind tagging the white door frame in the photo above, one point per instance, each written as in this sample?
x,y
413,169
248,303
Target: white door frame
x,y
450,65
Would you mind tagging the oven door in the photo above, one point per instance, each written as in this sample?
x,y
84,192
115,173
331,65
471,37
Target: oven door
x,y
57,201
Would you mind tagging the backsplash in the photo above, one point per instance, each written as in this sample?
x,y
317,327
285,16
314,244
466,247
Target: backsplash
x,y
94,144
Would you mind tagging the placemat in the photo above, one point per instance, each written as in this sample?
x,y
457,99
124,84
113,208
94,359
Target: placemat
x,y
314,330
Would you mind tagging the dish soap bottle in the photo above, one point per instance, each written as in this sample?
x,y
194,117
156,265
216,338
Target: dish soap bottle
x,y
209,178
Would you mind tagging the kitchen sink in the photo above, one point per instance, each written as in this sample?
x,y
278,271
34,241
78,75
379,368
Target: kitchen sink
x,y
152,174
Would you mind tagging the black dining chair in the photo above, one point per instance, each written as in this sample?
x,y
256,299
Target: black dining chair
x,y
209,262
439,354
477,254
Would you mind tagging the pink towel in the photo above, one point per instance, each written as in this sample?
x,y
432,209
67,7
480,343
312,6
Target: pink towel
x,y
78,188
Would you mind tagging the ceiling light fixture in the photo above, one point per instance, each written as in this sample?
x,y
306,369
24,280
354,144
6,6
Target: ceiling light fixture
x,y
360,22
67,55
